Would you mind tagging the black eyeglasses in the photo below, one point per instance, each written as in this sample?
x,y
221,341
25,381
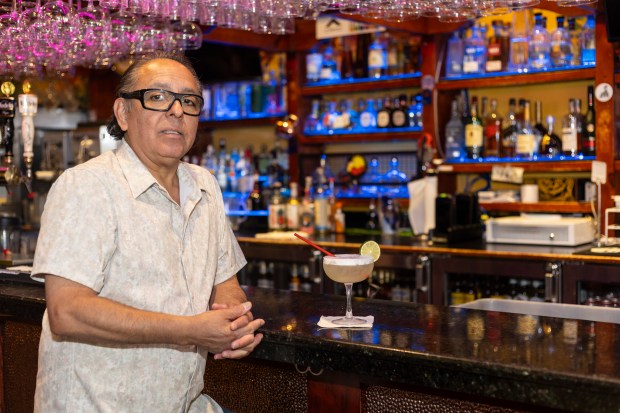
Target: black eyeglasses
x,y
161,100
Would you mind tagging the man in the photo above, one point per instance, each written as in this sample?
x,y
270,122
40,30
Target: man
x,y
140,263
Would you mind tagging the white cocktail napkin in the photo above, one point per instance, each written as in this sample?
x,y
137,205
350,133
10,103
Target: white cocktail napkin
x,y
326,322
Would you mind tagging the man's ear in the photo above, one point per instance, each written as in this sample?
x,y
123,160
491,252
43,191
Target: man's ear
x,y
120,111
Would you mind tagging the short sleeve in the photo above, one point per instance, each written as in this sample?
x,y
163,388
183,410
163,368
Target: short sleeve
x,y
77,236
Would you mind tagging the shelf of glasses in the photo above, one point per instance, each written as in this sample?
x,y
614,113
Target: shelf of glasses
x,y
546,206
560,164
573,73
361,84
241,122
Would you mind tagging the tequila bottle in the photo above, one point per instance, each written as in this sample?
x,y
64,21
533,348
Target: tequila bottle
x,y
561,47
570,131
539,47
377,57
454,60
519,42
588,43
475,51
455,134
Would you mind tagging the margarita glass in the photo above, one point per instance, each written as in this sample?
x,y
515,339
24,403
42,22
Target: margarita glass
x,y
348,269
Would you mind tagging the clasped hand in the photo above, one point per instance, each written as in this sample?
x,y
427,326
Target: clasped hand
x,y
229,331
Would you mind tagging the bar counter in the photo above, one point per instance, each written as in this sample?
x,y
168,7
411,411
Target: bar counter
x,y
415,358
475,248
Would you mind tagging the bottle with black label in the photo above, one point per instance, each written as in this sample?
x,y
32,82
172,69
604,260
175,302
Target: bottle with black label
x,y
588,135
550,144
474,132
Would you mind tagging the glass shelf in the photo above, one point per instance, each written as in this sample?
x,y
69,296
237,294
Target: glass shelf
x,y
536,159
354,81
335,132
531,71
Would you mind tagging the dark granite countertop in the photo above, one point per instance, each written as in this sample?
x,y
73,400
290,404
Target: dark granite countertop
x,y
556,363
547,362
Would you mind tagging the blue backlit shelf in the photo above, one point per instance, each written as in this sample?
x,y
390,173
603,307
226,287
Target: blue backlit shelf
x,y
557,164
410,80
573,73
339,132
262,120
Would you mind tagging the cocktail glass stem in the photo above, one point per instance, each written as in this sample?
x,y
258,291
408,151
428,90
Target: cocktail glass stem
x,y
349,314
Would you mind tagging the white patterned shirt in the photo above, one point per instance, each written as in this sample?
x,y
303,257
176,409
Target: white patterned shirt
x,y
108,224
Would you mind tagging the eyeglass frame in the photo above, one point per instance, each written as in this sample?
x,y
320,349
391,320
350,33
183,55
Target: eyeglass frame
x,y
139,95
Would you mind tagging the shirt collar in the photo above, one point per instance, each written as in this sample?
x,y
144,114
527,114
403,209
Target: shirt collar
x,y
140,179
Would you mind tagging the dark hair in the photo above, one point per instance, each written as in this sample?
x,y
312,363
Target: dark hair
x,y
130,78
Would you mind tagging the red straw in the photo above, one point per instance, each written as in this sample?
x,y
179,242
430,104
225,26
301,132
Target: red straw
x,y
307,241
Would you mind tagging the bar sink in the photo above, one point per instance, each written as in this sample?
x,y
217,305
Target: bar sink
x,y
572,311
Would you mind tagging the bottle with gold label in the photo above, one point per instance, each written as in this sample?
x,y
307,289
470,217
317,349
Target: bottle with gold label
x,y
474,132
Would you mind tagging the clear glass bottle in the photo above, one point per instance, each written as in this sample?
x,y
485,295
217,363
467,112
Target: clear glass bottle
x,y
570,131
454,59
519,41
277,210
377,57
312,122
306,219
550,144
588,42
492,131
455,134
474,132
575,41
329,65
561,46
588,145
368,117
293,208
475,51
539,47
526,141
330,117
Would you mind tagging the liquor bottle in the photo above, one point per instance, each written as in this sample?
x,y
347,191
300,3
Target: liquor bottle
x,y
312,122
415,111
570,131
539,128
399,112
362,44
526,141
293,208
350,117
411,54
455,134
588,136
339,219
347,68
377,57
550,144
384,115
539,47
519,42
561,46
474,132
321,207
277,210
494,49
588,42
368,117
492,131
329,66
393,63
255,199
330,116
314,62
574,41
306,219
454,60
509,132
475,51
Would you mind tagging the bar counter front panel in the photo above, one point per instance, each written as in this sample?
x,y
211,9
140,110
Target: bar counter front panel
x,y
415,358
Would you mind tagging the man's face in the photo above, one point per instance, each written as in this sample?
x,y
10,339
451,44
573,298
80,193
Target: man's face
x,y
160,139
